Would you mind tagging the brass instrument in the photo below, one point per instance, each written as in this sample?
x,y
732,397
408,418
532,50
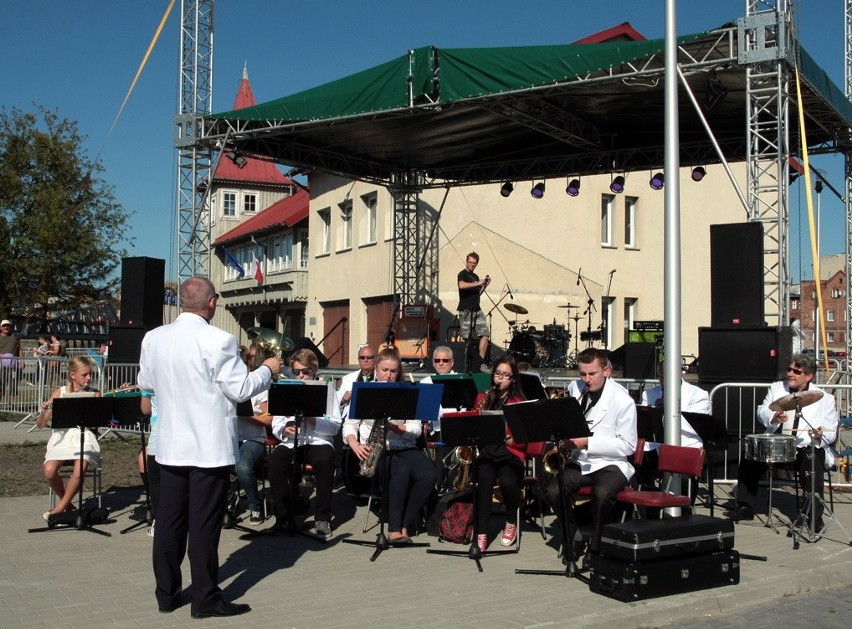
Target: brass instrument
x,y
268,344
556,393
376,443
554,460
464,456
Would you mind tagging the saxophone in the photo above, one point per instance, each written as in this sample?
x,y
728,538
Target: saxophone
x,y
376,443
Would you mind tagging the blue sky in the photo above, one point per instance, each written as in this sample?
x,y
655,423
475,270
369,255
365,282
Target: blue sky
x,y
80,57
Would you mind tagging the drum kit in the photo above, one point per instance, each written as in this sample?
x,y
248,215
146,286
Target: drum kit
x,y
540,348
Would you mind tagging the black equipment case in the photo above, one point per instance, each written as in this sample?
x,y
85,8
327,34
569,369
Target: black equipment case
x,y
637,581
642,540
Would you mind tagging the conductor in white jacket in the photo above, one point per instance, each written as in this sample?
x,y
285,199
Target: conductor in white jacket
x,y
196,372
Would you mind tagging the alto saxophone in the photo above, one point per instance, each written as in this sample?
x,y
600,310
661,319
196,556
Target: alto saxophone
x,y
376,443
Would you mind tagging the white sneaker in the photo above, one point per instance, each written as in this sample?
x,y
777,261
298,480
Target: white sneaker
x,y
151,530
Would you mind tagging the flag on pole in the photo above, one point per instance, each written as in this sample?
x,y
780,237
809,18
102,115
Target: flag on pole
x,y
234,263
255,265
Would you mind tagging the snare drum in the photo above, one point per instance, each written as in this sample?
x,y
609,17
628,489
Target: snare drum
x,y
770,448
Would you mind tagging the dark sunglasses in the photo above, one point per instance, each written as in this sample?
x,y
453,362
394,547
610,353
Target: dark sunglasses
x,y
442,360
798,372
305,372
367,357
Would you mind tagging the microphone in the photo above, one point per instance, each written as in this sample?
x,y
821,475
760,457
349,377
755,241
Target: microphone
x,y
511,296
578,275
612,272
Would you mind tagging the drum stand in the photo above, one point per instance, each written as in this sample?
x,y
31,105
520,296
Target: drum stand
x,y
807,516
572,356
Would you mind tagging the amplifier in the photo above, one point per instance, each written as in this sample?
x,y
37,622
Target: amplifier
x,y
648,326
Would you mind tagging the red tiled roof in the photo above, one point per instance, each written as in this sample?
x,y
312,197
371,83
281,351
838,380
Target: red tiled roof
x,y
255,170
285,213
622,32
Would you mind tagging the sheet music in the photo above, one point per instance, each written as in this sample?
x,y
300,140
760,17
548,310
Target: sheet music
x,y
787,426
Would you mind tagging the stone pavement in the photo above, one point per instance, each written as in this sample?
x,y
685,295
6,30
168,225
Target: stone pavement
x,y
80,579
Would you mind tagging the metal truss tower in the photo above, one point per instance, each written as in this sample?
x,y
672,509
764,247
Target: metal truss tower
x,y
193,169
764,45
847,86
415,250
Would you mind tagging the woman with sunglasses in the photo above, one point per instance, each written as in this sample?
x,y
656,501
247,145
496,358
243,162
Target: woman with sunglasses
x,y
315,447
64,444
505,461
412,475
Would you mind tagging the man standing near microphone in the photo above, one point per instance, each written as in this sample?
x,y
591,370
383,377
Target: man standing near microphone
x,y
471,318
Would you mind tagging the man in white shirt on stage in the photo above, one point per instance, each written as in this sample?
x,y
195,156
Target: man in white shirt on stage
x,y
364,373
196,372
692,400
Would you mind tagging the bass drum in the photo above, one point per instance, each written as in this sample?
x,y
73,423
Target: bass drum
x,y
357,486
530,348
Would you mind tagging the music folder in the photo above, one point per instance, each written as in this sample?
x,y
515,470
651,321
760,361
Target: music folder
x,y
384,400
545,420
484,428
649,424
709,428
459,390
531,386
311,398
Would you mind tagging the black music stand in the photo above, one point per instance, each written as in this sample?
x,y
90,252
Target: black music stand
x,y
383,401
82,413
532,387
714,437
297,398
550,420
474,431
649,426
229,520
459,390
126,411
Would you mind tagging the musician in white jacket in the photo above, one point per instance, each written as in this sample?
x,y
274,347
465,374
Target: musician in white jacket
x,y
599,461
818,422
692,400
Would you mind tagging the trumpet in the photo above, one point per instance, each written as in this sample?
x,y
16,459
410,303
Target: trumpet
x,y
268,344
555,459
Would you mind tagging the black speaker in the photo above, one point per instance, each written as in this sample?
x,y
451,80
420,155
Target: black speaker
x,y
640,360
736,275
303,342
142,292
743,354
125,343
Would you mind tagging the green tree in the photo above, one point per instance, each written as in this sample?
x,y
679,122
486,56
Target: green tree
x,y
61,228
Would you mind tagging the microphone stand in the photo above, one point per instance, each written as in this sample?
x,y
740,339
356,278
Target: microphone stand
x,y
589,308
605,315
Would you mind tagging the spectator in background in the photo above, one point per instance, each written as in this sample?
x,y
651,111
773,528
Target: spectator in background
x,y
10,367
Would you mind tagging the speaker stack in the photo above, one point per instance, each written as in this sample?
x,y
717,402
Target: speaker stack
x,y
739,346
142,295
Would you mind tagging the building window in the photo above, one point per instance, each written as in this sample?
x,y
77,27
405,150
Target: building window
x,y
243,258
630,222
794,305
303,250
606,310
829,315
249,203
629,315
370,226
346,225
830,336
606,220
229,204
325,221
836,292
282,254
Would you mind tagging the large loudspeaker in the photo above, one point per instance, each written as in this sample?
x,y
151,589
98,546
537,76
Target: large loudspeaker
x,y
142,292
640,360
743,354
736,275
303,342
125,343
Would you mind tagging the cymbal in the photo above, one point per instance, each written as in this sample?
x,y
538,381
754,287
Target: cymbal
x,y
516,308
795,400
567,306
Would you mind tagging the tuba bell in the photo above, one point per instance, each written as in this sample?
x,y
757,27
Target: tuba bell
x,y
267,344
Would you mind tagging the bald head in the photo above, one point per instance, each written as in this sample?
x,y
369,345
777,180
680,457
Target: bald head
x,y
196,294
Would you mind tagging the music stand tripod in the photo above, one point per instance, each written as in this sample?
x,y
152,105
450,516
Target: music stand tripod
x,y
386,401
297,399
474,431
807,516
82,413
127,412
551,420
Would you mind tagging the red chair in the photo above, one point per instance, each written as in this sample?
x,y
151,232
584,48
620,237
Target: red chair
x,y
680,460
528,482
636,461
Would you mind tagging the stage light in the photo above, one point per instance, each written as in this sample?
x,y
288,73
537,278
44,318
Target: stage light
x,y
239,161
617,185
657,181
573,188
698,173
506,189
537,191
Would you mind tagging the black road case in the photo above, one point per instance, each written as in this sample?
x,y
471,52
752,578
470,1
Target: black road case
x,y
637,581
641,540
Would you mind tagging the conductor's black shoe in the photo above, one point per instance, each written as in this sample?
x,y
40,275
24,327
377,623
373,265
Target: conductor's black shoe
x,y
223,608
742,512
279,528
